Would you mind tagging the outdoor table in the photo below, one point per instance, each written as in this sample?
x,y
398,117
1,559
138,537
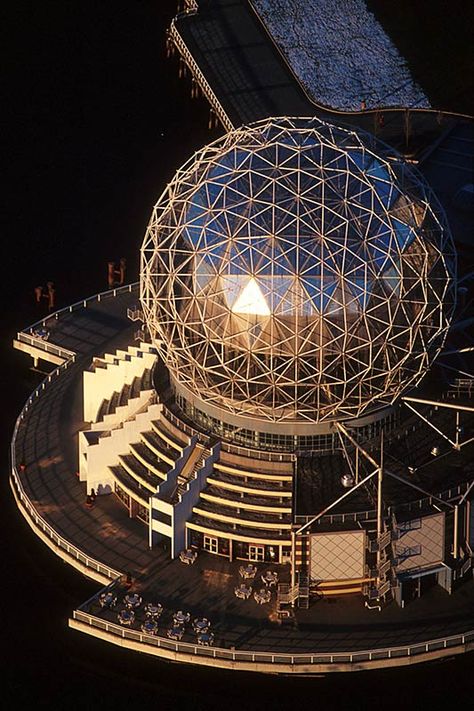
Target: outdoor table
x,y
181,617
150,627
270,577
152,610
175,632
205,638
247,571
243,591
126,617
188,556
132,600
201,624
107,599
262,596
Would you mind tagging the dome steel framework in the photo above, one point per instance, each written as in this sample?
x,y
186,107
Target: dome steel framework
x,y
292,271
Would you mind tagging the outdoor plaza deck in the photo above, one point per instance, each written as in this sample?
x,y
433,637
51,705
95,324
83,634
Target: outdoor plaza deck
x,y
104,543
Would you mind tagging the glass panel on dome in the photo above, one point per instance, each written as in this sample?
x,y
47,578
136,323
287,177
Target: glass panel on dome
x,y
215,195
380,241
384,193
360,288
320,290
221,171
202,276
238,263
233,286
251,300
403,234
377,170
361,159
277,291
391,279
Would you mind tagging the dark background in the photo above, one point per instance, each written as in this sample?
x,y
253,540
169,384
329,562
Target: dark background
x,y
97,123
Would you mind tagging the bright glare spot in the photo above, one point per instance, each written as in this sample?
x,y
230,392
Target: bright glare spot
x,y
251,301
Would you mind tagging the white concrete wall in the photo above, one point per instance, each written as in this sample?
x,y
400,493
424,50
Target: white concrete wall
x,y
123,412
159,526
94,468
100,384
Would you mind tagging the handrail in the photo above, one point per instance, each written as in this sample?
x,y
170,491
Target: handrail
x,y
46,346
28,509
110,293
370,514
274,657
199,76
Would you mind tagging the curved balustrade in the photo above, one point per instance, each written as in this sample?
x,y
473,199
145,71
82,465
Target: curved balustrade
x,y
287,663
83,304
60,545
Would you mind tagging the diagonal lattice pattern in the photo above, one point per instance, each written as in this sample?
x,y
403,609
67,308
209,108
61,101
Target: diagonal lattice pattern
x,y
292,271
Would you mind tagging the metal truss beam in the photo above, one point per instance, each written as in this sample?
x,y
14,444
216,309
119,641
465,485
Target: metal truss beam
x,y
334,503
436,403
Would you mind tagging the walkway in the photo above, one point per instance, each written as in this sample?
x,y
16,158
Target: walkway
x,y
46,443
226,43
46,447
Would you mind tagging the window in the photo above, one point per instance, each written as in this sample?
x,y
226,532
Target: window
x,y
257,553
210,544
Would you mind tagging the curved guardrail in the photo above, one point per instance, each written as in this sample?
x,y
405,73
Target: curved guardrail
x,y
59,544
287,663
83,304
31,337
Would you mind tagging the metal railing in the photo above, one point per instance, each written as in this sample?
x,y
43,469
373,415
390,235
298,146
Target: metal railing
x,y
83,304
175,36
31,338
24,503
263,455
290,660
369,515
44,345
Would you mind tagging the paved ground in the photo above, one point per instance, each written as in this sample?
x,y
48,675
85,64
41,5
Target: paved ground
x,y
330,625
46,445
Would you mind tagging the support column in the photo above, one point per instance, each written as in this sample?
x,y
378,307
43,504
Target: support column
x,y
293,564
133,509
456,532
379,509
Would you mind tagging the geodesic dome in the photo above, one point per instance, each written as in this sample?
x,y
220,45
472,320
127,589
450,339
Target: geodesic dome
x,y
292,271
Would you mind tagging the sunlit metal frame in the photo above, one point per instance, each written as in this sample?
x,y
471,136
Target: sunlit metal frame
x,y
367,223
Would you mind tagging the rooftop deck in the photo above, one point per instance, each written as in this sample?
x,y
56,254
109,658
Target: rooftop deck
x,y
104,542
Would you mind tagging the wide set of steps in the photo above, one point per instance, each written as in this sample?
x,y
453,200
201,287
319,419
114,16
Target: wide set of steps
x,y
148,461
117,385
246,497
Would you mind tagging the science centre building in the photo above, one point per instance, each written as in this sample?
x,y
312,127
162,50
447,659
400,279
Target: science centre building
x,y
266,403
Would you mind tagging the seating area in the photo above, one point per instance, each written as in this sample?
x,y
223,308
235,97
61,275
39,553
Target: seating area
x,y
151,617
188,557
249,574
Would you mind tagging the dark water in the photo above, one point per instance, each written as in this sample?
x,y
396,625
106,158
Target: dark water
x,y
99,121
